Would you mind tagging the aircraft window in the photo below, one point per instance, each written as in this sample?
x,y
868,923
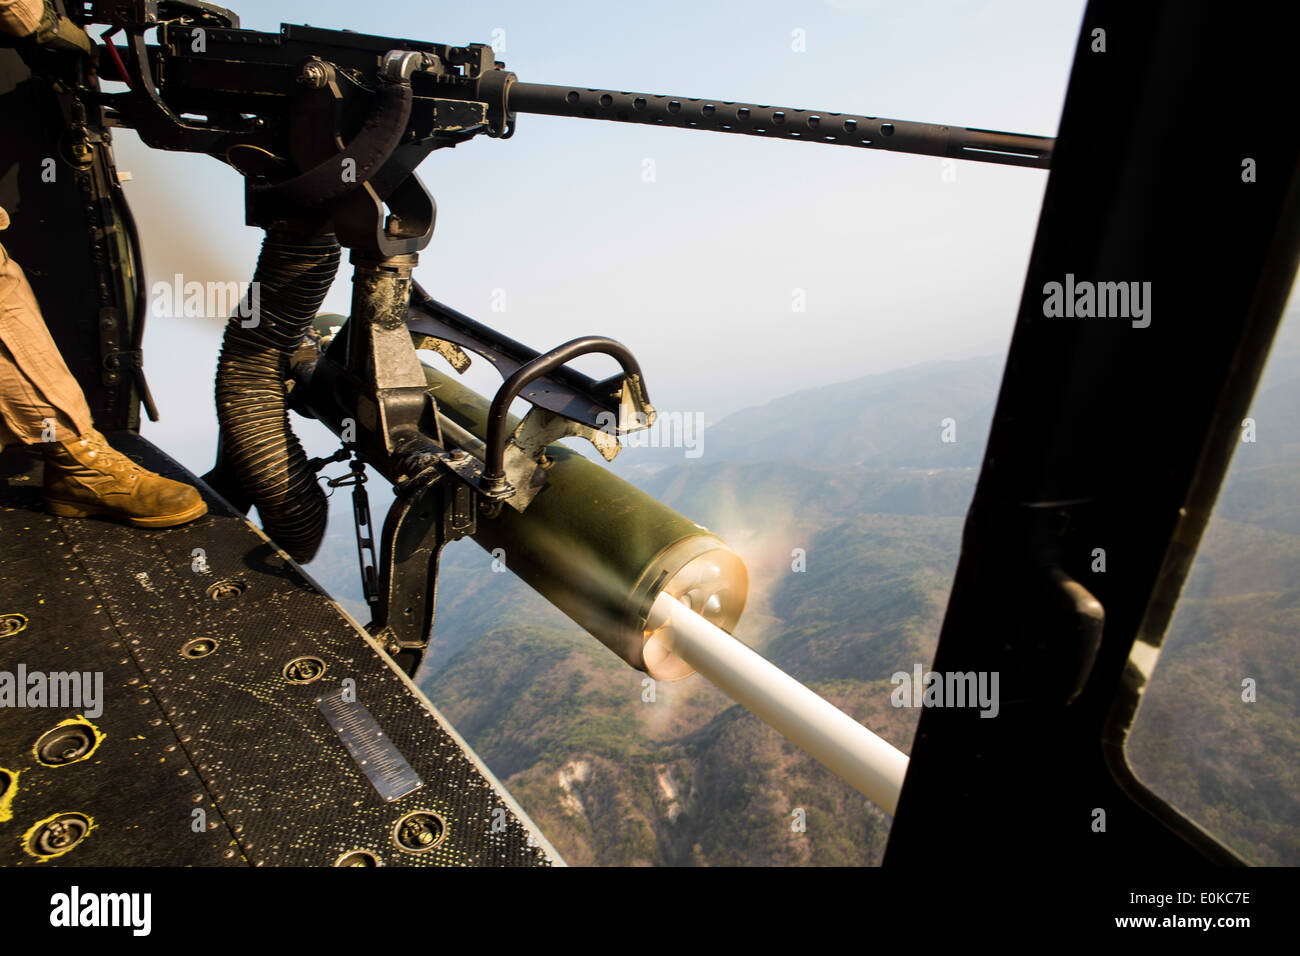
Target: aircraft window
x,y
1217,732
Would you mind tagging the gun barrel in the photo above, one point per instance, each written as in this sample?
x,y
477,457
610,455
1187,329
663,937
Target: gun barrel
x,y
773,122
867,762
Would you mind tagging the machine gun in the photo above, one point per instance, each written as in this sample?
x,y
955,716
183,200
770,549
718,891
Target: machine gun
x,y
327,127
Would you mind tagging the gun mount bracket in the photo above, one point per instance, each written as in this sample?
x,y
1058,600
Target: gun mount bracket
x,y
565,402
533,436
429,510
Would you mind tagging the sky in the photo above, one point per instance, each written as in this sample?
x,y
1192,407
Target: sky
x,y
699,270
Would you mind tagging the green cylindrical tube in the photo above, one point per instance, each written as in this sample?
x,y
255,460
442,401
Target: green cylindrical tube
x,y
601,550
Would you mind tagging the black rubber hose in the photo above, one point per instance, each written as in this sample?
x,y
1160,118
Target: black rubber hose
x,y
291,280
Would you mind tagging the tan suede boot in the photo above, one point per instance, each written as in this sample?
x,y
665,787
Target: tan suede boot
x,y
87,476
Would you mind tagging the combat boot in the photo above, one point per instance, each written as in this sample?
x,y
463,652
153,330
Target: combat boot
x,y
88,476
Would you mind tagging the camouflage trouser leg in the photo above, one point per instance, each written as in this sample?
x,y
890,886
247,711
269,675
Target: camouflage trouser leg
x,y
39,398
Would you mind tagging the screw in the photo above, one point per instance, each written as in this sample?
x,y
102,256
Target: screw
x,y
314,75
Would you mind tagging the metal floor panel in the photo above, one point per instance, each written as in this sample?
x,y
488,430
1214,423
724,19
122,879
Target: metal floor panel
x,y
137,787
253,746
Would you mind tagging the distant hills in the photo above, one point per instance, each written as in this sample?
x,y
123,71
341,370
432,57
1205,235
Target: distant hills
x,y
891,420
1230,765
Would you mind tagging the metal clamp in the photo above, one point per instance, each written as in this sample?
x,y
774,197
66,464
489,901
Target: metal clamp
x,y
494,472
124,359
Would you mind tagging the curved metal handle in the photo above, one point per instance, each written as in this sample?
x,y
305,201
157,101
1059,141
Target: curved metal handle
x,y
494,473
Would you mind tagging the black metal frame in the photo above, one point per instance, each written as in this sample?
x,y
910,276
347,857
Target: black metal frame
x,y
1113,436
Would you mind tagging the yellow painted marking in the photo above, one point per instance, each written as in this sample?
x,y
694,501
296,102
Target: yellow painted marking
x,y
7,800
99,739
31,831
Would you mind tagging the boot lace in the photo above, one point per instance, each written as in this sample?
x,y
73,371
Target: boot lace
x,y
108,459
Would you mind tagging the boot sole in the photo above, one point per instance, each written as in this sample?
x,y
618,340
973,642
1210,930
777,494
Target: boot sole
x,y
69,509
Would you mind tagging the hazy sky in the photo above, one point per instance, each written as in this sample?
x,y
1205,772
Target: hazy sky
x,y
695,271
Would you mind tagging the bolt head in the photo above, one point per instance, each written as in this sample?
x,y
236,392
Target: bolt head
x,y
313,75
